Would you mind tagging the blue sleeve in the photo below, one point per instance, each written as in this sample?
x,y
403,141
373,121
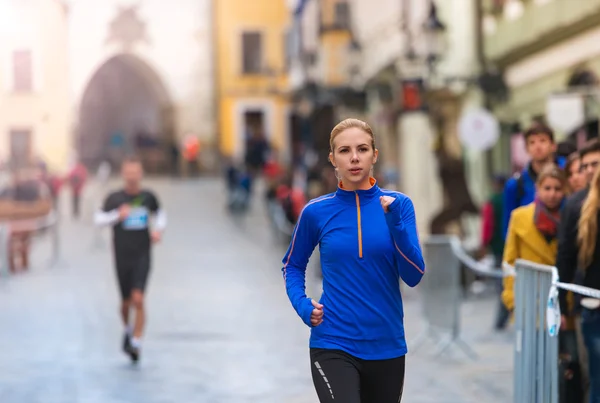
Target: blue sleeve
x,y
403,227
304,241
509,203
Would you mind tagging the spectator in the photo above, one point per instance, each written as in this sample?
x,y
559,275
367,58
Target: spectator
x,y
77,179
520,189
26,198
493,238
575,178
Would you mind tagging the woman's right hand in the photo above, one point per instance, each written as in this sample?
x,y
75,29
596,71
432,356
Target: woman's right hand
x,y
316,317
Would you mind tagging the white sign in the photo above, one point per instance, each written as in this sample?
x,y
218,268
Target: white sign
x,y
553,308
478,129
565,112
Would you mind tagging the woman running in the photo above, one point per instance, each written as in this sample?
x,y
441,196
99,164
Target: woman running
x,y
367,240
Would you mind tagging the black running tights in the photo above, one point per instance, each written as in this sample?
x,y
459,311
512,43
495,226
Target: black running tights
x,y
341,377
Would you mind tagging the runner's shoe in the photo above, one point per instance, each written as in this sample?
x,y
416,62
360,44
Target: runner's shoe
x,y
126,343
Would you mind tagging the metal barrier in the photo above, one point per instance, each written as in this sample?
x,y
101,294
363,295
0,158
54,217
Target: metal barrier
x,y
537,324
4,240
48,223
443,290
536,352
282,228
537,314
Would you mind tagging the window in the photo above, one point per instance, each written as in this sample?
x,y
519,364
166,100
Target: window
x,y
342,14
291,46
22,71
251,52
20,146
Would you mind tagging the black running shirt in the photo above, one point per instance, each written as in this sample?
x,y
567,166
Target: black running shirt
x,y
132,234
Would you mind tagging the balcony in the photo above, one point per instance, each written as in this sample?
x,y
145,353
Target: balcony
x,y
538,26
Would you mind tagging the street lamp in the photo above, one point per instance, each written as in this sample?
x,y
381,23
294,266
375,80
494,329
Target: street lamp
x,y
434,32
426,48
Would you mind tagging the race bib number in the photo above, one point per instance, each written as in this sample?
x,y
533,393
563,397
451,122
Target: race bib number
x,y
137,219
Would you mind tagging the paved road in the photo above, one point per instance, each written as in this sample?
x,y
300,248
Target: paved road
x,y
220,329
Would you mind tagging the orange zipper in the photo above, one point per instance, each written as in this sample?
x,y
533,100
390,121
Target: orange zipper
x,y
360,250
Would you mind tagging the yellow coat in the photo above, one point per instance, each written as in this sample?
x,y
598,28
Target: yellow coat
x,y
524,241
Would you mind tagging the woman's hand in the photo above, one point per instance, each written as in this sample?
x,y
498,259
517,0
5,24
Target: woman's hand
x,y
386,201
316,317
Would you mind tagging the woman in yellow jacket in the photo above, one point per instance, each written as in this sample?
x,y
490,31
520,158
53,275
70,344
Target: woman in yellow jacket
x,y
533,228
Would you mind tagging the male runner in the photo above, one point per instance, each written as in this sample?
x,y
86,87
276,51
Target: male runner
x,y
128,211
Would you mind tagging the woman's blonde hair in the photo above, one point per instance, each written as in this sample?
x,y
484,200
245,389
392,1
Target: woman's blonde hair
x,y
552,171
588,223
349,124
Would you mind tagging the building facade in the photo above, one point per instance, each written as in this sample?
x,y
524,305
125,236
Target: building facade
x,y
102,70
383,76
324,57
251,73
545,49
35,113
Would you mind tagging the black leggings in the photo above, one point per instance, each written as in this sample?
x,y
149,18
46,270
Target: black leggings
x,y
341,377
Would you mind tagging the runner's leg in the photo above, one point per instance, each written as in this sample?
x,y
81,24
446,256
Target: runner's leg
x,y
382,381
335,375
137,302
142,270
124,276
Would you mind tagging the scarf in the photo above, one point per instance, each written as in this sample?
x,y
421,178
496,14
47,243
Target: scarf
x,y
546,220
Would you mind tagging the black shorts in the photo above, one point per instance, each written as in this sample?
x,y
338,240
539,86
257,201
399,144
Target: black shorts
x,y
341,377
132,272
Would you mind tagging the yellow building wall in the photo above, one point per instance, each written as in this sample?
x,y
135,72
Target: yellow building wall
x,y
334,46
46,110
328,11
232,18
334,42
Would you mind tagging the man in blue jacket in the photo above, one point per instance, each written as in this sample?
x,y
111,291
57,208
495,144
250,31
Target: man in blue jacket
x,y
520,189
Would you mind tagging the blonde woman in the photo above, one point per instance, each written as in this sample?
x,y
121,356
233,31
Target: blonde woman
x,y
579,253
533,229
368,242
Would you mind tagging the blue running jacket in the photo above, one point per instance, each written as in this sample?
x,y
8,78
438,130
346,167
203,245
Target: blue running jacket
x,y
364,253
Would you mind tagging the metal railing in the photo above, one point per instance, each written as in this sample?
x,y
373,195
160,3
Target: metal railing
x,y
443,290
537,324
536,352
4,245
282,228
46,224
537,313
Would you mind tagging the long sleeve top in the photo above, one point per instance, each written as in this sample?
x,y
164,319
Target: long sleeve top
x,y
364,254
568,249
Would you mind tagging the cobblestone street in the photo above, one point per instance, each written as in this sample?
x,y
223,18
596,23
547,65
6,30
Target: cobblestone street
x,y
220,327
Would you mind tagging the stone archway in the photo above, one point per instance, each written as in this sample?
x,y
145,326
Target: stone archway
x,y
125,108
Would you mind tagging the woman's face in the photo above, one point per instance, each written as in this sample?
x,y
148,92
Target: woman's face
x,y
576,178
551,192
353,155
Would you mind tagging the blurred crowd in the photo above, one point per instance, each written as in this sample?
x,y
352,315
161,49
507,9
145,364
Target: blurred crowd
x,y
28,195
539,215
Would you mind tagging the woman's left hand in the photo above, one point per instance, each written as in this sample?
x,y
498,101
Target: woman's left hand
x,y
386,201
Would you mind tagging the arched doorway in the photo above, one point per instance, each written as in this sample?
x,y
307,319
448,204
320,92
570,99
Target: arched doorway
x,y
125,109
